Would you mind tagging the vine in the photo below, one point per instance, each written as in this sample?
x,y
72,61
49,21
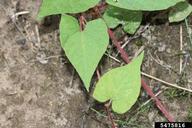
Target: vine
x,y
86,40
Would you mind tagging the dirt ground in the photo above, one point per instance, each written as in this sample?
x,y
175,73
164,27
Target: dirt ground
x,y
39,88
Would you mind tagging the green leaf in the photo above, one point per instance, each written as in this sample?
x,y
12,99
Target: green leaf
x,y
121,86
180,12
51,7
144,5
130,20
85,49
68,26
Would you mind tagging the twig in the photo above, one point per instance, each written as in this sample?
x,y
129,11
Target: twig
x,y
98,113
46,58
166,83
38,36
16,25
181,49
15,16
72,77
98,74
135,36
115,59
139,51
188,31
158,61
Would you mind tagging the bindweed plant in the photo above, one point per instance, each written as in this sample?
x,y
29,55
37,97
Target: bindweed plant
x,y
85,43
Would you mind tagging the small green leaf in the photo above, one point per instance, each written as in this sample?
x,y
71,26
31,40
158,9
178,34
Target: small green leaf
x,y
85,49
129,19
68,26
51,7
180,12
121,86
144,5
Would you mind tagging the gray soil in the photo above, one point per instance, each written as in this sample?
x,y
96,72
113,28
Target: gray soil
x,y
38,88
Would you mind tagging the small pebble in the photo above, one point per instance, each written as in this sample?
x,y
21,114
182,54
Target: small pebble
x,y
162,48
168,50
21,41
41,57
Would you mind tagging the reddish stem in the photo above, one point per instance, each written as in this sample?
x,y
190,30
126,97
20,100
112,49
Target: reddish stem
x,y
107,106
110,116
82,22
101,6
144,85
118,45
157,101
38,3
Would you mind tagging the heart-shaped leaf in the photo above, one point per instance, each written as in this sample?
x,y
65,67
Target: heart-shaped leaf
x,y
51,7
144,5
121,86
180,11
68,26
130,20
85,49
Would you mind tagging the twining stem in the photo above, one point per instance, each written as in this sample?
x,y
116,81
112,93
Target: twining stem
x,y
82,22
143,83
107,105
